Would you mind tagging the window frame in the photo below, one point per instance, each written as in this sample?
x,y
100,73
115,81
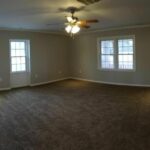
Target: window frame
x,y
116,53
27,67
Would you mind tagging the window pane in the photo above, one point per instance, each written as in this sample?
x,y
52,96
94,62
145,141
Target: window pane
x,y
22,60
22,53
12,45
23,67
107,43
107,50
17,45
18,60
13,53
22,45
125,50
107,47
107,61
126,58
126,66
13,61
125,61
125,42
125,46
13,68
18,67
17,53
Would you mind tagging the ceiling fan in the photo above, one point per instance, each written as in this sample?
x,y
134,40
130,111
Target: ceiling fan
x,y
73,24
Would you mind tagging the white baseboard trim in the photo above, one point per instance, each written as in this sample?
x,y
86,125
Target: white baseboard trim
x,y
81,79
5,89
36,84
110,83
42,83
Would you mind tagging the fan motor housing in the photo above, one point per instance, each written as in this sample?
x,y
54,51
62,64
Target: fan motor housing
x,y
87,2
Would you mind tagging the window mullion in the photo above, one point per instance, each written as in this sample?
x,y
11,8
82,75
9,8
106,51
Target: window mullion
x,y
115,54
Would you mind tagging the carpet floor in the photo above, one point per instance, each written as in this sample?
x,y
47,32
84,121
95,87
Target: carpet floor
x,y
75,115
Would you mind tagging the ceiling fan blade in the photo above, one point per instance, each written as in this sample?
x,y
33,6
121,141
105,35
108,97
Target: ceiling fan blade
x,y
84,26
85,22
90,21
88,2
82,22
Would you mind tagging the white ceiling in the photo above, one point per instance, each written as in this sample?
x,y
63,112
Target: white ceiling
x,y
36,14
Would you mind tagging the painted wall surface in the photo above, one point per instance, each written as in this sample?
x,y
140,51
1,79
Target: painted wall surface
x,y
58,56
84,60
49,56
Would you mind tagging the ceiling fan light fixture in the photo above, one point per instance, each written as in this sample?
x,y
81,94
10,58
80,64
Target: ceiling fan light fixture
x,y
72,29
73,24
68,29
75,29
69,19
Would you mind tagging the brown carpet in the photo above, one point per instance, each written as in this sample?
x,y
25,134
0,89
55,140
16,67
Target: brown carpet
x,y
75,115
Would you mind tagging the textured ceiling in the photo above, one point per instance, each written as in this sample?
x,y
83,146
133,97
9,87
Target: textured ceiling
x,y
36,14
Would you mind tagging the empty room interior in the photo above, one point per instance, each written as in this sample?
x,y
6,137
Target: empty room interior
x,y
74,75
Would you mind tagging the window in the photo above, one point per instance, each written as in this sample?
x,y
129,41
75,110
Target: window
x,y
125,53
116,53
107,54
18,56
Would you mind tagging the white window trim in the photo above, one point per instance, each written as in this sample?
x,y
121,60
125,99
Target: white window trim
x,y
115,38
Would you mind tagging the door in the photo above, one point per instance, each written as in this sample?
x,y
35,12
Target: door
x,y
20,63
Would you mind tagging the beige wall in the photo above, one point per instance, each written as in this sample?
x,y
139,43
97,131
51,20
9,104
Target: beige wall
x,y
52,54
49,56
83,56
